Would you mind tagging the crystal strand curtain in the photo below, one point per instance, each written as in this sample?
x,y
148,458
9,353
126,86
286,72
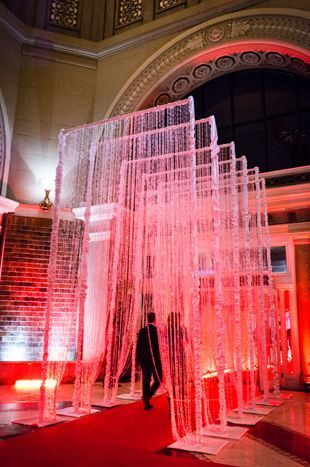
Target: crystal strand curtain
x,y
62,302
174,291
158,132
250,358
258,283
148,205
73,179
271,304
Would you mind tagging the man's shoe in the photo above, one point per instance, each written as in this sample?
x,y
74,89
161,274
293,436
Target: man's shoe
x,y
148,407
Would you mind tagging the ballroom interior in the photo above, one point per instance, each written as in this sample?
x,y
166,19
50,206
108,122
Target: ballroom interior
x,y
68,63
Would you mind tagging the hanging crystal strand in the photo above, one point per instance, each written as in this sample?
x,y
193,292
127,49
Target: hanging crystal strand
x,y
165,268
205,132
125,323
141,141
91,332
248,270
195,287
131,171
227,276
236,282
138,241
124,302
205,223
47,403
180,261
218,291
175,305
276,375
82,384
121,333
262,316
109,380
176,361
120,347
139,246
161,292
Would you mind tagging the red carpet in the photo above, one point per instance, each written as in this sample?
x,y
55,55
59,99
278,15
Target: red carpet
x,y
121,436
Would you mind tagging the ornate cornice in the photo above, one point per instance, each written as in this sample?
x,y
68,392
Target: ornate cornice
x,y
290,27
46,40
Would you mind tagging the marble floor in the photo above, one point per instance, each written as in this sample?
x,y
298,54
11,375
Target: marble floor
x,y
17,404
288,430
282,438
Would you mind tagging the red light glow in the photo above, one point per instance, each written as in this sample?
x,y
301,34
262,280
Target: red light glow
x,y
33,384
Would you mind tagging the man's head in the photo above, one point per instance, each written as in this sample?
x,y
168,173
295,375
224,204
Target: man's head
x,y
151,317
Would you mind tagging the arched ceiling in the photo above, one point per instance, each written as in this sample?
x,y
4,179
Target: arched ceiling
x,y
270,39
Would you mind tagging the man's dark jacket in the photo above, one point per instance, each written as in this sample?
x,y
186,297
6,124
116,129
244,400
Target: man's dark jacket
x,y
147,348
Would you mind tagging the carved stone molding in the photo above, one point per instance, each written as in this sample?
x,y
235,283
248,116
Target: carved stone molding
x,y
200,74
291,30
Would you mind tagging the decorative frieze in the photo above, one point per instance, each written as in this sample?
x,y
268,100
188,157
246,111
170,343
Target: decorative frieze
x,y
274,27
216,34
129,11
204,72
166,4
238,28
64,13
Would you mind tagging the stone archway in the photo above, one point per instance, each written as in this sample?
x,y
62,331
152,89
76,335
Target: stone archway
x,y
273,38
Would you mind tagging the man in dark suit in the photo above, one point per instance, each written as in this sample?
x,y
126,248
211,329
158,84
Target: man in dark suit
x,y
149,358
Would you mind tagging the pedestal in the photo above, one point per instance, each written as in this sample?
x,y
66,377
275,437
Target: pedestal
x,y
255,410
282,395
131,397
270,401
207,445
245,419
228,432
72,412
34,421
108,404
